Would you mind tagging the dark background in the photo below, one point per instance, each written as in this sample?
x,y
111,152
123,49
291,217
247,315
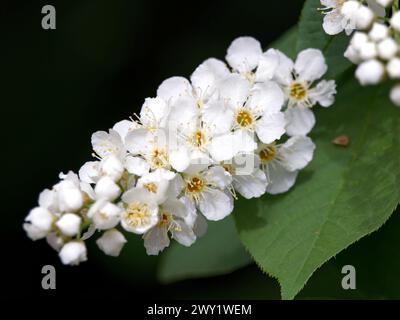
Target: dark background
x,y
97,67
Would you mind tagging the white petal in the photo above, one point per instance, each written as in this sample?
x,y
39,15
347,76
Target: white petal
x,y
217,117
300,121
156,240
223,147
90,172
245,141
107,217
137,166
333,22
179,159
124,127
277,65
280,180
200,226
218,177
215,205
243,54
251,186
207,75
297,152
183,114
310,65
174,88
323,93
267,97
235,90
138,141
175,207
183,234
105,143
111,242
271,127
154,112
48,199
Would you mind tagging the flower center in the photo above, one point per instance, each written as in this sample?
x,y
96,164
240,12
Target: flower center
x,y
136,214
244,118
164,219
229,168
268,153
158,158
298,91
198,139
151,187
195,185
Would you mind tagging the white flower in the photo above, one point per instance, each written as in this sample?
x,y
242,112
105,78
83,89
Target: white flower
x,y
334,21
247,178
140,213
370,72
393,68
157,183
151,146
388,48
395,21
111,242
105,144
38,223
378,32
297,80
252,110
73,253
244,54
112,166
69,224
172,219
207,190
281,163
105,215
395,95
106,188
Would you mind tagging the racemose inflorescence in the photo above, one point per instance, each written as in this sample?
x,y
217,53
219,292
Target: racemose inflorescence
x,y
234,129
375,45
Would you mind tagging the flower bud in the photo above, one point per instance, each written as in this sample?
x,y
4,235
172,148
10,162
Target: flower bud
x,y
393,68
368,51
387,49
69,196
358,40
112,167
395,21
395,95
106,188
69,224
111,242
378,32
38,223
384,3
352,54
364,17
73,253
370,72
350,8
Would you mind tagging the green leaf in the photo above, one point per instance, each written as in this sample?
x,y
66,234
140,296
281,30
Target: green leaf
x,y
344,194
219,251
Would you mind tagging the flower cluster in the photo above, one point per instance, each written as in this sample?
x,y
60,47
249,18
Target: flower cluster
x,y
375,46
232,129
